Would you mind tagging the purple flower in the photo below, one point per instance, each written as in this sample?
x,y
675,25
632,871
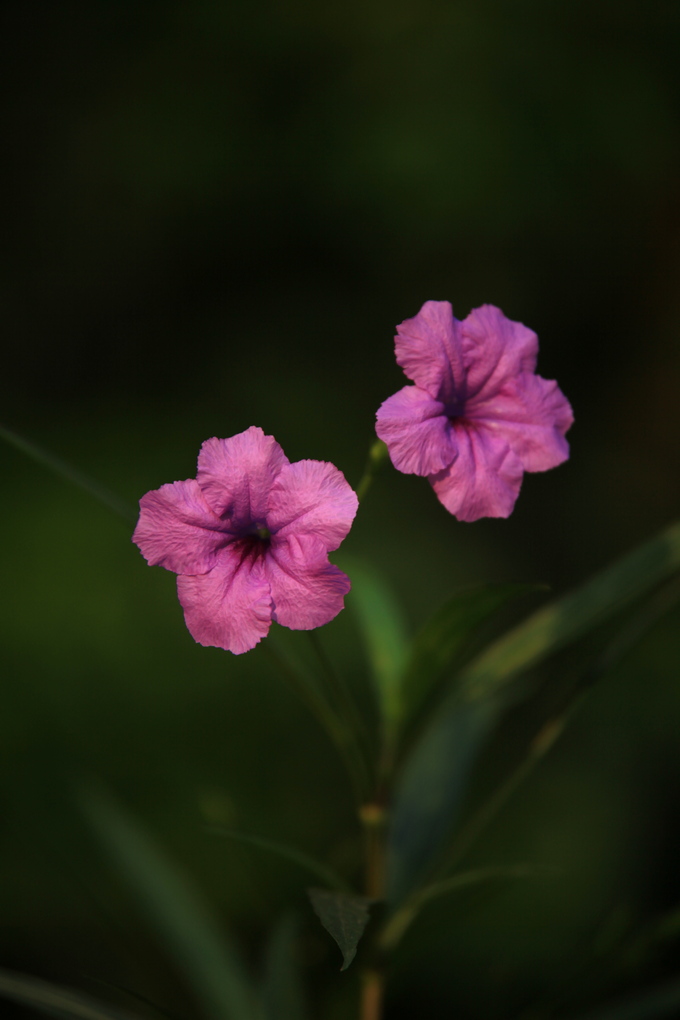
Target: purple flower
x,y
249,538
478,416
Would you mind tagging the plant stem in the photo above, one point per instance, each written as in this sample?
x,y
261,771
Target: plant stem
x,y
374,819
377,455
372,994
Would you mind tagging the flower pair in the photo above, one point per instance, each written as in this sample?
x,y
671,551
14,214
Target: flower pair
x,y
249,537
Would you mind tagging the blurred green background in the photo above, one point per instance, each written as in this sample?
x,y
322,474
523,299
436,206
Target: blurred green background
x,y
214,216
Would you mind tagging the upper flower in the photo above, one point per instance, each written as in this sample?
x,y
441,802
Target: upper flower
x,y
478,416
249,538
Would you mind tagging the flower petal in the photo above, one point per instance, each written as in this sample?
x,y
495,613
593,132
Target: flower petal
x,y
307,590
485,478
235,475
496,349
532,415
417,432
230,607
312,497
428,348
178,530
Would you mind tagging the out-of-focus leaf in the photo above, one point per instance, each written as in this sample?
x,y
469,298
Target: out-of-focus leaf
x,y
306,685
283,994
70,474
430,791
55,1000
562,621
344,916
402,918
662,1000
382,625
445,635
435,775
179,915
479,876
290,853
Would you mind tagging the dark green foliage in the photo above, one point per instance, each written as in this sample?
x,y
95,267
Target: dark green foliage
x,y
55,1000
282,991
174,908
437,648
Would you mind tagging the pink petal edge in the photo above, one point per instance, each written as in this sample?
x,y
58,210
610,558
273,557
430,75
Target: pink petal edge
x,y
230,607
417,432
307,590
484,480
178,530
236,474
312,497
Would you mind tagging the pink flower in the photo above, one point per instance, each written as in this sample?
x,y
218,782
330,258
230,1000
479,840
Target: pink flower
x,y
478,416
249,538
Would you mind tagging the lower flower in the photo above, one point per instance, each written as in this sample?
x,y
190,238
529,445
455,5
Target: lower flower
x,y
249,538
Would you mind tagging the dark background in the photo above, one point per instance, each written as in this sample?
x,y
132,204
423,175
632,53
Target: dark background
x,y
214,215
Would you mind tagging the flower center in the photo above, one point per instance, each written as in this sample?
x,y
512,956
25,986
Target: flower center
x,y
254,544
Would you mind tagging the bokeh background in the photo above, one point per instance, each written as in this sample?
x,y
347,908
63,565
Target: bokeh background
x,y
214,215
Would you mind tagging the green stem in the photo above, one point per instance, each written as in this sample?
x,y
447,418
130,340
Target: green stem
x,y
377,455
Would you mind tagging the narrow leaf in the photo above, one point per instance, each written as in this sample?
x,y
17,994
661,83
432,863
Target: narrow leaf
x,y
55,1000
70,474
444,637
480,876
179,915
402,918
381,621
290,853
283,994
562,621
344,916
430,792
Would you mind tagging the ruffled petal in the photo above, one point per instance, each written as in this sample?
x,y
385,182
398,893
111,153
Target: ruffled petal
x,y
235,475
532,415
417,432
496,349
485,478
428,348
307,590
178,530
230,607
312,497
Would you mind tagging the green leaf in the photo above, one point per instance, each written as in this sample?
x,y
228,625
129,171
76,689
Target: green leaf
x,y
430,791
176,910
70,474
55,1000
290,853
382,624
283,994
435,776
344,916
445,636
663,1000
566,619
